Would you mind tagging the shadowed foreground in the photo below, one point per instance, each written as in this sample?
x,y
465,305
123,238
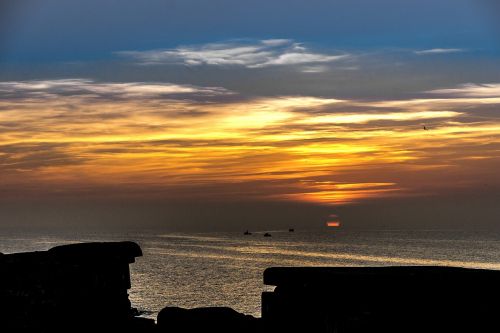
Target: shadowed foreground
x,y
83,288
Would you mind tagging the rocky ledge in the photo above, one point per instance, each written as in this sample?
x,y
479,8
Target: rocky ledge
x,y
83,288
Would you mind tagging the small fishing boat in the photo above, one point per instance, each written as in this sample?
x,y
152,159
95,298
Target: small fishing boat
x,y
247,233
267,234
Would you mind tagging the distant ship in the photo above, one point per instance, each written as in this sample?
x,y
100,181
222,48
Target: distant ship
x,y
267,234
291,230
247,233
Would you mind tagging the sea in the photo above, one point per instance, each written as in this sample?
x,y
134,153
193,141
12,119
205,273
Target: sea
x,y
225,268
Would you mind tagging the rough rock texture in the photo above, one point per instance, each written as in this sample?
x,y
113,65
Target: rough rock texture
x,y
77,287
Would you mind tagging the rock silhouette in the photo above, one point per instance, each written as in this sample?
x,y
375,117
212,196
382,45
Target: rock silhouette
x,y
209,319
381,299
83,288
76,288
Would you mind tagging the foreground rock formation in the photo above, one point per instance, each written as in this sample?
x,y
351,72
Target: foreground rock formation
x,y
381,299
83,288
70,288
211,319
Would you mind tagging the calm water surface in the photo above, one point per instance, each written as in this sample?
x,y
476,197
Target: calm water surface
x,y
225,269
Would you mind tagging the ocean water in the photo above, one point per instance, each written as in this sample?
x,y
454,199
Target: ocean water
x,y
225,268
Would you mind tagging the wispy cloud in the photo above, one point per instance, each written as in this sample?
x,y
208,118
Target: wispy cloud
x,y
363,118
471,90
86,87
438,51
314,69
258,54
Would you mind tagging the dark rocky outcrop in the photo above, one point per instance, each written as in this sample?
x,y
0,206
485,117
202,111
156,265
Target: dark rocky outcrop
x,y
381,299
209,319
76,288
83,288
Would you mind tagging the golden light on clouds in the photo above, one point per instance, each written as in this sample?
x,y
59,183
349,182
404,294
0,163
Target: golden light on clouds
x,y
72,136
394,116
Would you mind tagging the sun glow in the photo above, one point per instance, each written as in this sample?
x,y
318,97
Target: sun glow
x,y
139,139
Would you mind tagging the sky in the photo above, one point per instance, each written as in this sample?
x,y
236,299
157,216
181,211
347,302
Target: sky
x,y
215,115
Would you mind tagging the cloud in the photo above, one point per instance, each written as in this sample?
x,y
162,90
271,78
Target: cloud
x,y
362,118
314,69
160,141
341,193
86,87
488,90
29,156
438,51
259,54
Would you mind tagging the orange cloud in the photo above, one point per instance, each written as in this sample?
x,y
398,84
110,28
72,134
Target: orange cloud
x,y
164,139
